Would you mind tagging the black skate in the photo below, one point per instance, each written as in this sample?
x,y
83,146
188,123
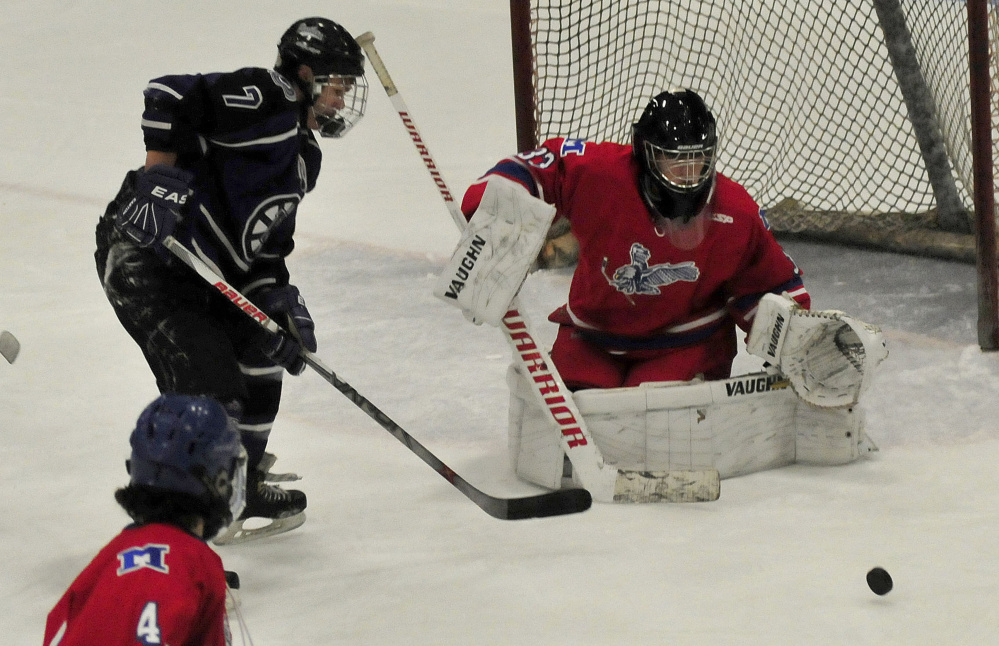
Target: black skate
x,y
285,508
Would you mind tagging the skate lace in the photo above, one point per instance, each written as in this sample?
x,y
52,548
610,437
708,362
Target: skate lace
x,y
272,493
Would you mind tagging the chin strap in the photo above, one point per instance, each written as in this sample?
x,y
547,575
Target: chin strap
x,y
660,201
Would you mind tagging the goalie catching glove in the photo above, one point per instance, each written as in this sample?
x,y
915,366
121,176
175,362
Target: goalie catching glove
x,y
828,357
497,248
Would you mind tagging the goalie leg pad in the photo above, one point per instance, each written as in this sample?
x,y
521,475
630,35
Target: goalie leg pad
x,y
827,436
738,426
535,448
637,430
496,250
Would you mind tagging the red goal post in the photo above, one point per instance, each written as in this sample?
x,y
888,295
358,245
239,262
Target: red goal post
x,y
861,122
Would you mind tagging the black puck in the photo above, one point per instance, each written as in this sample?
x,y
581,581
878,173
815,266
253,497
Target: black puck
x,y
880,581
232,579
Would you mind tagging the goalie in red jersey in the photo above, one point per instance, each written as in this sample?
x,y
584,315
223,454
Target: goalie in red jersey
x,y
674,258
672,255
158,582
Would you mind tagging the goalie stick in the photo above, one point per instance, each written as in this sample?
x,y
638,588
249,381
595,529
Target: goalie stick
x,y
554,503
605,483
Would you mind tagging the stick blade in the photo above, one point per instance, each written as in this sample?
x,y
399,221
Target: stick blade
x,y
555,503
10,347
667,486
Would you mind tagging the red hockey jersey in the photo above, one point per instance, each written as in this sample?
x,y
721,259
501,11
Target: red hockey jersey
x,y
632,288
153,584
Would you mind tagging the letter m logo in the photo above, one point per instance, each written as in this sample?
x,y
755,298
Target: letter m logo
x,y
148,556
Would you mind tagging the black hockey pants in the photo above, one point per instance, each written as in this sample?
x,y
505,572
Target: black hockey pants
x,y
194,340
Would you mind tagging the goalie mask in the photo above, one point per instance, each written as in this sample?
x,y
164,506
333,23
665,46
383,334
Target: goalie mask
x,y
674,143
337,91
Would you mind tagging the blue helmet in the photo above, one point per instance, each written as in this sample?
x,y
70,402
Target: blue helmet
x,y
189,445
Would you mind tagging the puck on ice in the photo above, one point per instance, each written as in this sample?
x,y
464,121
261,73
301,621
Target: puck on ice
x,y
880,581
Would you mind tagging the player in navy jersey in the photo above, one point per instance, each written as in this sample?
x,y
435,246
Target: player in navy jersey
x,y
157,582
229,156
673,255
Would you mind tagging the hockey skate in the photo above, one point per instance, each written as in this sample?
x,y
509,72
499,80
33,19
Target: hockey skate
x,y
284,508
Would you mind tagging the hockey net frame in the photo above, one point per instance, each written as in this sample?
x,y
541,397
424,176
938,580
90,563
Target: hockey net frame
x,y
862,122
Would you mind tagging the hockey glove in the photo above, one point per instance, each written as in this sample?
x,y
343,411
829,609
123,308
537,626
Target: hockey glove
x,y
829,357
287,307
160,193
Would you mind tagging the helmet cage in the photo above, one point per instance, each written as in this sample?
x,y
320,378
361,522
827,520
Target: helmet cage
x,y
683,169
338,102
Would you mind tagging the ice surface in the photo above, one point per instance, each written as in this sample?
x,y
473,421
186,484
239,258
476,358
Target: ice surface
x,y
391,553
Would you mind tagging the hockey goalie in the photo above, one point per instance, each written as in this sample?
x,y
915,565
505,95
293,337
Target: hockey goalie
x,y
674,259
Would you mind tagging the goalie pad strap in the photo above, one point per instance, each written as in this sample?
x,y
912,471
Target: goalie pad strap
x,y
496,250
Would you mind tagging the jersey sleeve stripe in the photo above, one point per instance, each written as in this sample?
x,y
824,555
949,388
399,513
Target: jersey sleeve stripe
x,y
158,125
515,171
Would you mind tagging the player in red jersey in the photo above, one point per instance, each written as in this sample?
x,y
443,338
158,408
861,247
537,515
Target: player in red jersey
x,y
158,582
673,255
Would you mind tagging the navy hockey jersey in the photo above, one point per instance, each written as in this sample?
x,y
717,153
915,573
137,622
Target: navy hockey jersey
x,y
242,135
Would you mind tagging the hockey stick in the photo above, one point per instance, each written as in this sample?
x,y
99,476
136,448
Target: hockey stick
x,y
554,503
605,483
9,346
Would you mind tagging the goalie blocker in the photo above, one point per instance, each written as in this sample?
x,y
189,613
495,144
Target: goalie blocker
x,y
496,250
738,426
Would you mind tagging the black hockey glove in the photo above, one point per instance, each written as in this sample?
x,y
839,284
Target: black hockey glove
x,y
160,193
287,307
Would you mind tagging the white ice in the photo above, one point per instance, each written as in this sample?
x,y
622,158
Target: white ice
x,y
391,553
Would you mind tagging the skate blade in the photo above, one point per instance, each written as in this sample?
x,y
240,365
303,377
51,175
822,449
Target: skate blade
x,y
236,533
281,477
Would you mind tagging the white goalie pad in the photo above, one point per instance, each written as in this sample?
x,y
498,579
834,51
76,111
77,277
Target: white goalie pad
x,y
738,426
829,357
496,250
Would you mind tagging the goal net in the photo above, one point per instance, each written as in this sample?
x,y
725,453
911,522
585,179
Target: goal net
x,y
846,120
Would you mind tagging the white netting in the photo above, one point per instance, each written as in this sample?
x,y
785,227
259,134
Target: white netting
x,y
812,117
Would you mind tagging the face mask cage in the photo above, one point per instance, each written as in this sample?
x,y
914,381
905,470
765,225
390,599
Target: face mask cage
x,y
684,171
338,103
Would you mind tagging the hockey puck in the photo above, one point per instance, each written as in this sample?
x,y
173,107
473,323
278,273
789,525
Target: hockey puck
x,y
9,346
879,581
232,580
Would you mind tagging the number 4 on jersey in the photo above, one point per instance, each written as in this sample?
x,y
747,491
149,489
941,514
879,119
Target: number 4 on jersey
x,y
148,630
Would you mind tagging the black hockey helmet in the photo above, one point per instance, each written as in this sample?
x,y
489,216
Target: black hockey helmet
x,y
323,45
674,142
338,92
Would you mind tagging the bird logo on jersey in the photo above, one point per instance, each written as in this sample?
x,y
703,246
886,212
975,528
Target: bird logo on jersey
x,y
640,278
